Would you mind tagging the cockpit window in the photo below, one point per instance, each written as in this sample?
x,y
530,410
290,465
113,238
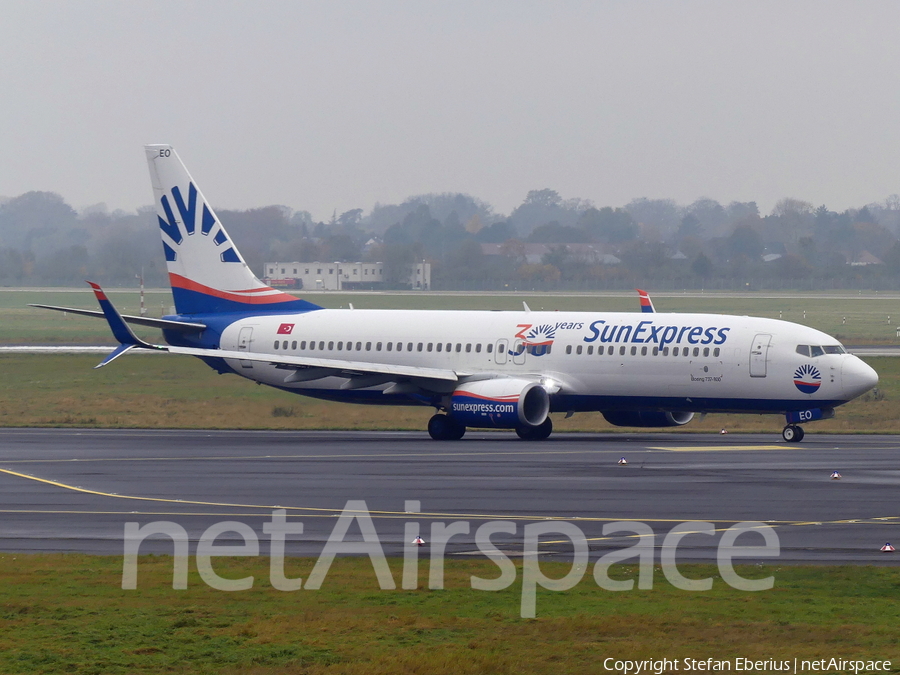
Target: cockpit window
x,y
815,350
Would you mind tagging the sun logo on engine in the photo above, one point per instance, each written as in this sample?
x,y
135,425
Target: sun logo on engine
x,y
807,379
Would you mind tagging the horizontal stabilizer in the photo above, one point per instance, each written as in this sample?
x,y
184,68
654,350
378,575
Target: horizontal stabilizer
x,y
164,324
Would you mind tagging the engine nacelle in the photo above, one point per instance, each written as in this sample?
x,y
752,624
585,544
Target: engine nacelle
x,y
647,418
500,404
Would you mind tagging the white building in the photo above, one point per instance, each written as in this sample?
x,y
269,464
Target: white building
x,y
337,276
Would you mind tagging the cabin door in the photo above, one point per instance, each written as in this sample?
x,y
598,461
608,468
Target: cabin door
x,y
759,351
245,339
500,351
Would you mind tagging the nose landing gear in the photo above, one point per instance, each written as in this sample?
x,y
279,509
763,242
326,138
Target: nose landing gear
x,y
792,433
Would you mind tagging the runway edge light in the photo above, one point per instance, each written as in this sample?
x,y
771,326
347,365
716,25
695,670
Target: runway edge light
x,y
835,475
622,462
418,541
887,548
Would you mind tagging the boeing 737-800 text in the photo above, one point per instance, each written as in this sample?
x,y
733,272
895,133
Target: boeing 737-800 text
x,y
485,369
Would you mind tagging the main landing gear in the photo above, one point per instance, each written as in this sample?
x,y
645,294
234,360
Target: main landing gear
x,y
445,428
538,433
792,433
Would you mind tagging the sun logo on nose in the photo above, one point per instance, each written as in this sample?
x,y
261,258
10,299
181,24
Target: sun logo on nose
x,y
807,379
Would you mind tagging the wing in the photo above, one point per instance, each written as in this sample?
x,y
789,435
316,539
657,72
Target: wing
x,y
165,324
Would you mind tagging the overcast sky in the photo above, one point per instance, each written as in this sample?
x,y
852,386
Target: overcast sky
x,y
338,105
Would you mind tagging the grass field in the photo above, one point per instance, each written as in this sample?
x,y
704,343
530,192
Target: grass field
x,y
155,390
68,614
859,319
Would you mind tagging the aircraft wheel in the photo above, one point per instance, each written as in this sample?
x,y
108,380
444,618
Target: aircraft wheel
x,y
445,428
457,430
792,433
538,433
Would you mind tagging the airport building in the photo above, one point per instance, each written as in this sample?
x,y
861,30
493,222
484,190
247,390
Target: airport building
x,y
337,276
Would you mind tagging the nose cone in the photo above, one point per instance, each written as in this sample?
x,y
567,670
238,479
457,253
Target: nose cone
x,y
857,377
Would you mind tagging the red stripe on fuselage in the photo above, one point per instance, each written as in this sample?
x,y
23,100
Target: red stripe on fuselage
x,y
178,281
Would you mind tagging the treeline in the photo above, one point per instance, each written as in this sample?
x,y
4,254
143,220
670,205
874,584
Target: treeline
x,y
547,242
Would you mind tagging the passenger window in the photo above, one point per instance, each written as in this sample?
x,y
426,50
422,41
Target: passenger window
x,y
284,345
368,346
377,346
490,348
578,349
359,346
389,345
340,346
449,347
458,347
816,351
399,346
665,351
674,351
633,351
643,351
294,345
321,345
419,347
716,351
568,349
468,347
590,349
409,347
803,350
621,351
276,344
429,346
706,351
478,348
330,345
303,345
440,346
696,351
610,350
655,351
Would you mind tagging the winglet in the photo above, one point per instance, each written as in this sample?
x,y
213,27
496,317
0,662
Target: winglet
x,y
646,303
120,330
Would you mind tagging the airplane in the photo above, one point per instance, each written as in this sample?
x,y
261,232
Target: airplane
x,y
479,369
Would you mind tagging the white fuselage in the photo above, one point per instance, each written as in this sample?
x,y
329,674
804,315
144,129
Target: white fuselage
x,y
590,360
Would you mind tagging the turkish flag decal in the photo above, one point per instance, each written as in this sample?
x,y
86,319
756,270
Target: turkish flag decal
x,y
285,328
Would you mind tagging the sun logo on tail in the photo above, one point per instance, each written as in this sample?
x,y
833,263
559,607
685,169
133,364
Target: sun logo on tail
x,y
187,209
807,379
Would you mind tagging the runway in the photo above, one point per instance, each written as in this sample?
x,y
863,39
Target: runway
x,y
74,490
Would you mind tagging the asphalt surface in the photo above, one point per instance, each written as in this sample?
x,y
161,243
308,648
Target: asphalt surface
x,y
74,490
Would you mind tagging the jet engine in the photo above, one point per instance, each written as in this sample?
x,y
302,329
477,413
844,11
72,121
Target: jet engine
x,y
500,404
647,418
